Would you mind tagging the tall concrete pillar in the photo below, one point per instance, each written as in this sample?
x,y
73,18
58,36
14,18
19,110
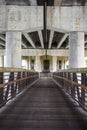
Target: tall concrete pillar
x,y
1,61
29,63
54,60
13,49
76,50
63,64
37,64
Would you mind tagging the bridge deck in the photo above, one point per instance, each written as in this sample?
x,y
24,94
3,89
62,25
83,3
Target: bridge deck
x,y
41,107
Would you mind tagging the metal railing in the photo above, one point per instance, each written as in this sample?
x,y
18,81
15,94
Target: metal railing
x,y
13,81
74,82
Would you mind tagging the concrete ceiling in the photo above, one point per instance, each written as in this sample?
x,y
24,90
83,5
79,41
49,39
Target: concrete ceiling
x,y
34,40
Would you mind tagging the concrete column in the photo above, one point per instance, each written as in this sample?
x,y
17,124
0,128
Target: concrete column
x,y
63,64
1,61
54,60
76,50
13,49
29,63
37,64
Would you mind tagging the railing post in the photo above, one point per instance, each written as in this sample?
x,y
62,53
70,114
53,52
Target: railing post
x,y
24,81
73,86
28,78
12,85
1,89
18,84
76,88
69,85
83,82
64,82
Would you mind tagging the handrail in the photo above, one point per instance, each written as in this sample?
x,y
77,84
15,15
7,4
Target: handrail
x,y
74,82
79,70
14,81
9,69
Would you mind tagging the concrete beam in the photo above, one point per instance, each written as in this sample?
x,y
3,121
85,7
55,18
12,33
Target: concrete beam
x,y
33,2
2,38
61,18
85,42
51,38
57,2
41,38
41,52
2,44
16,20
29,39
24,44
62,40
67,46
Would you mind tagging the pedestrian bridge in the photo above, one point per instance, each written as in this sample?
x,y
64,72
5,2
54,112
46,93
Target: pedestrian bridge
x,y
55,101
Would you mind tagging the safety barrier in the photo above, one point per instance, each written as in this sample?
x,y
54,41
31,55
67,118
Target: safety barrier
x,y
74,82
13,81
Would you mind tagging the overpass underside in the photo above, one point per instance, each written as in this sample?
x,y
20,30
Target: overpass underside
x,y
44,106
55,103
23,35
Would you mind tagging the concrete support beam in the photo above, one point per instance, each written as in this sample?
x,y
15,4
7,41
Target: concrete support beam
x,y
67,46
85,42
29,39
76,50
15,18
2,38
24,44
13,49
62,40
41,38
51,38
54,62
2,44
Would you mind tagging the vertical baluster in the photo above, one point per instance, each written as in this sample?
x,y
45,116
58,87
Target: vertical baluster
x,y
73,86
83,82
12,85
12,94
1,89
24,81
19,83
76,89
64,80
69,84
28,78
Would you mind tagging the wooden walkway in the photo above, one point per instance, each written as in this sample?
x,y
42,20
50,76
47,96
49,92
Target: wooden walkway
x,y
42,107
